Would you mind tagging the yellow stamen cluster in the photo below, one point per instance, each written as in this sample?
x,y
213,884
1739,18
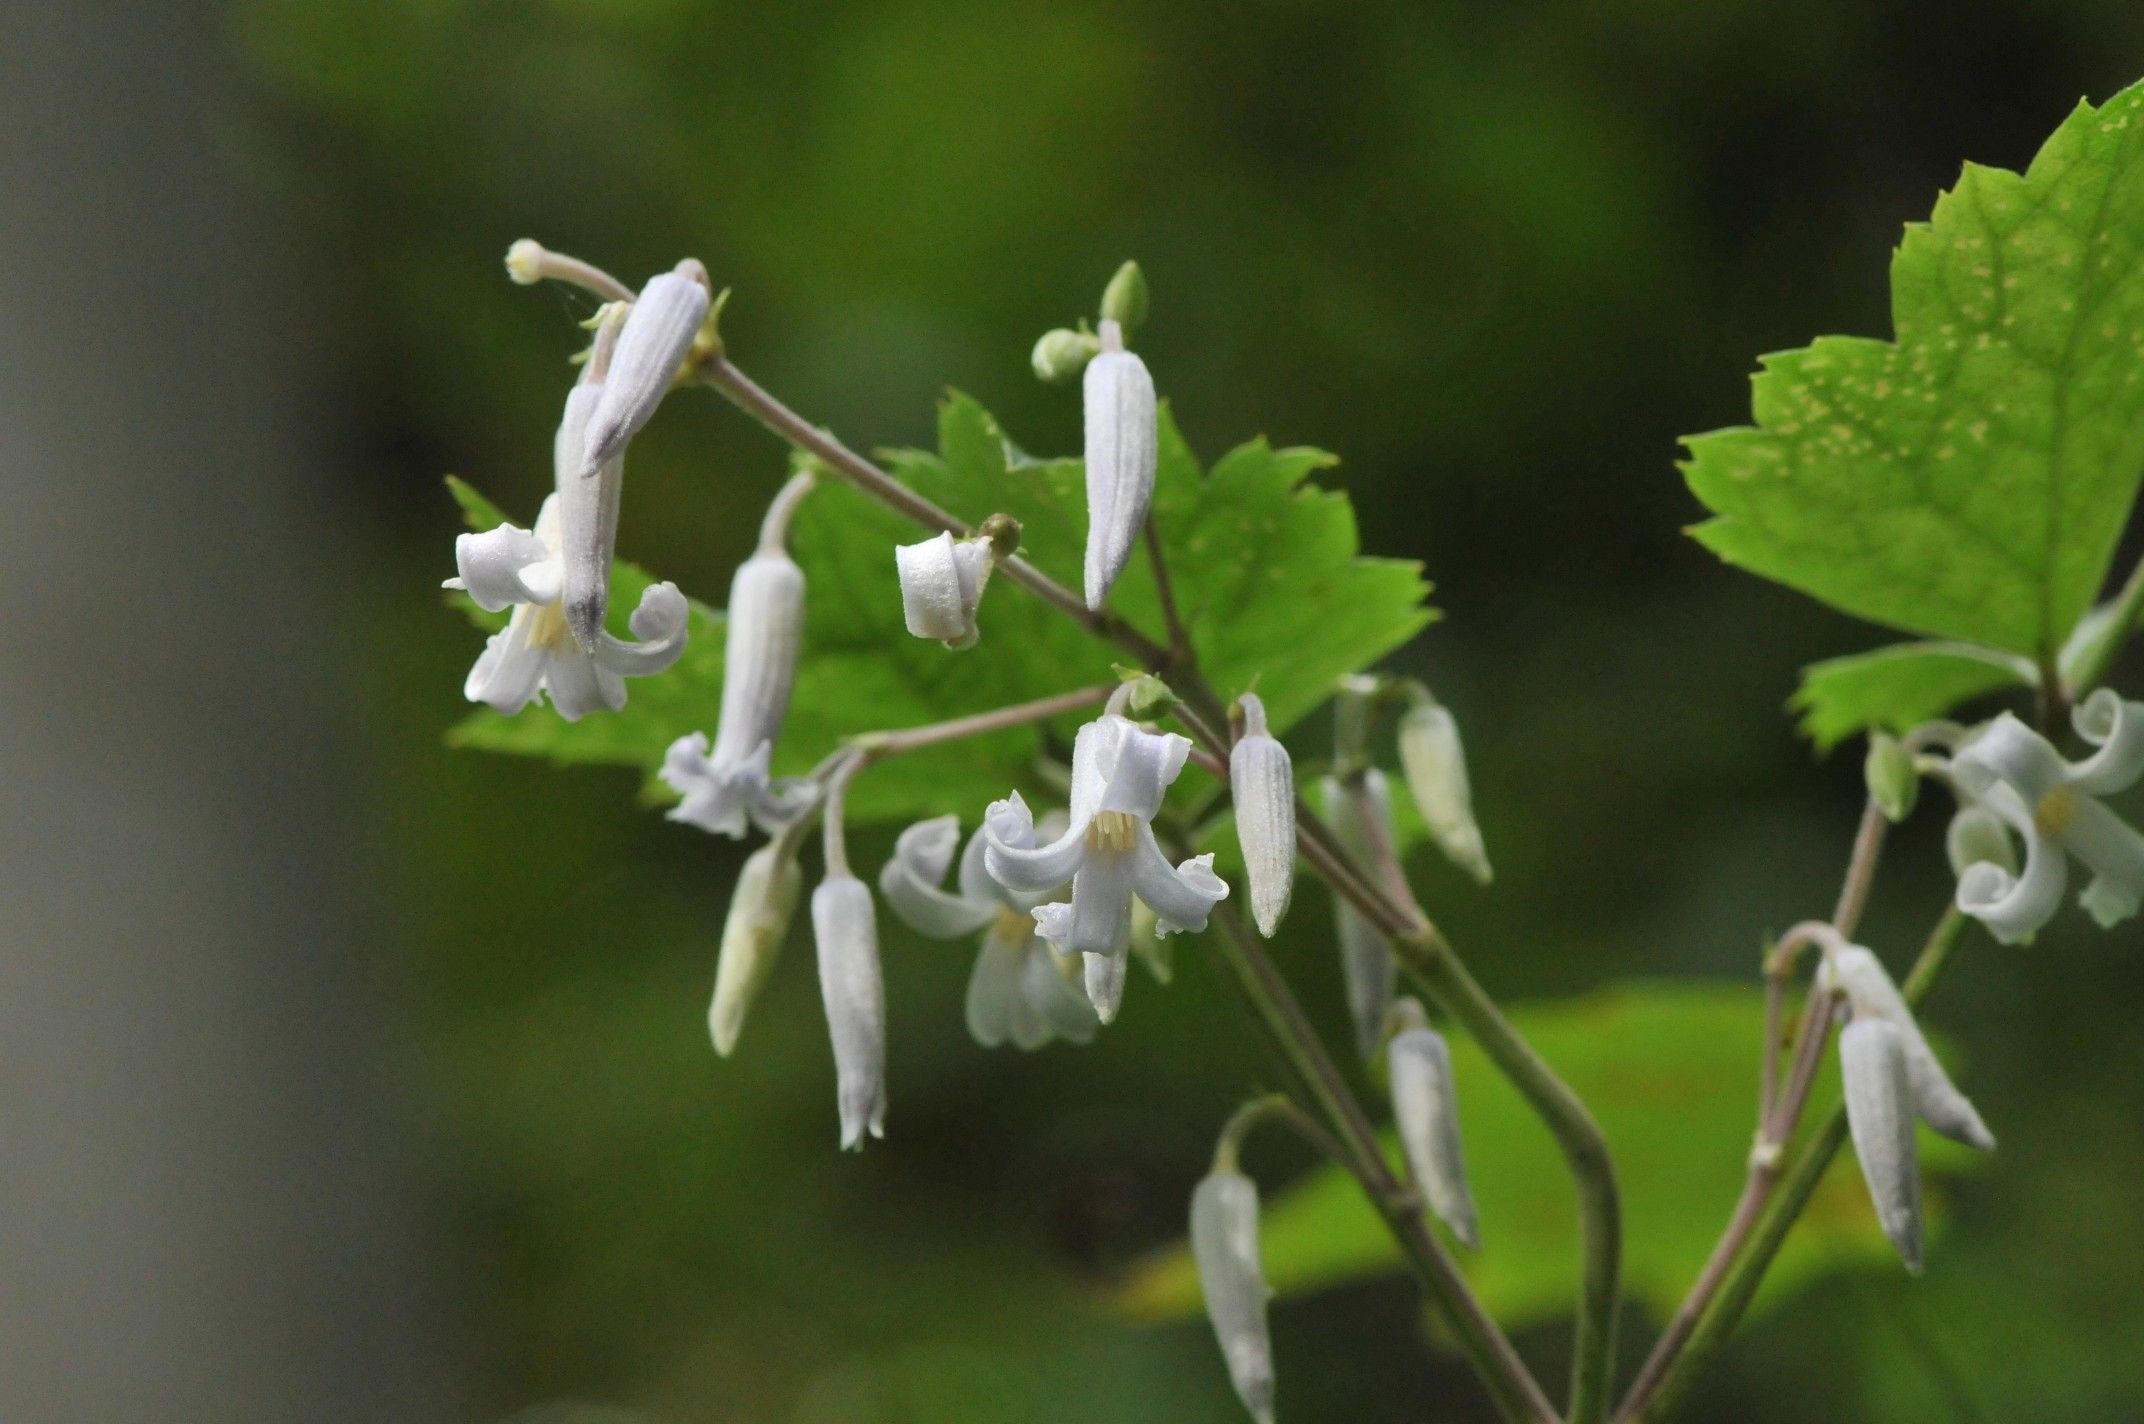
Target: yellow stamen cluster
x,y
2055,812
1113,830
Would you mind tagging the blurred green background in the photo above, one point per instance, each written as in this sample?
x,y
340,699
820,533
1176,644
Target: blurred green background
x,y
1498,257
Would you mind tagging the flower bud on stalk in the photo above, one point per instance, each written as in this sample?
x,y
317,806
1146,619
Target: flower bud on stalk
x,y
942,583
658,333
1425,1106
761,907
1124,300
1122,440
1893,781
1366,963
1262,781
1224,1244
1859,975
1872,1055
1436,767
845,929
1062,354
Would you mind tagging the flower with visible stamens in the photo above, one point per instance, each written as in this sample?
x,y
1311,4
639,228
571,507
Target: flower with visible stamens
x,y
845,930
1873,1064
1224,1245
535,652
2054,805
1366,964
1122,443
942,583
1120,773
1020,992
657,335
725,787
1261,780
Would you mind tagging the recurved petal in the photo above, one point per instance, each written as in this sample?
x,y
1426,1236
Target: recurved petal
x,y
509,672
660,625
2111,848
942,583
910,882
2011,753
1017,864
2116,728
1139,766
1181,896
2015,907
1869,988
493,568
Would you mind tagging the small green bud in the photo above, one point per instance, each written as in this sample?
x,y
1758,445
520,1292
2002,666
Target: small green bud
x,y
1124,299
1141,694
1894,782
1061,355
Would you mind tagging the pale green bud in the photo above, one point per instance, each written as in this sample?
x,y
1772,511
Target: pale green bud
x,y
1436,768
1061,355
1894,783
761,908
1124,299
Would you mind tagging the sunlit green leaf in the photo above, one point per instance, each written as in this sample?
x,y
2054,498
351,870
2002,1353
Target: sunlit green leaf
x,y
1899,687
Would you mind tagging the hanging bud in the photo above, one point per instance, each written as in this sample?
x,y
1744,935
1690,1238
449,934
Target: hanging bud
x,y
1436,768
942,585
1262,781
1062,354
1861,977
1894,783
1224,1244
1425,1105
1121,446
1872,1057
1977,837
587,503
658,332
761,907
845,929
1366,964
1124,299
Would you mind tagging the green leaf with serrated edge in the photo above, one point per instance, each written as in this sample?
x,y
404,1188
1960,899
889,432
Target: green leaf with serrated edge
x,y
1264,570
1899,687
1670,1071
1971,480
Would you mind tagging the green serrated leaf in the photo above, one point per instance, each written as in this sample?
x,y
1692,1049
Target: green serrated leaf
x,y
1969,481
1669,1070
1899,687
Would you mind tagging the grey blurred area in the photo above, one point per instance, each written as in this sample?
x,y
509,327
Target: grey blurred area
x,y
203,1208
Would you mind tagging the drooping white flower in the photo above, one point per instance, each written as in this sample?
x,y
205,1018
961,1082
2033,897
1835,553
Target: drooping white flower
x,y
1122,443
658,333
761,907
1436,766
724,787
942,583
1860,975
1872,1058
1366,964
1020,992
1261,781
1224,1245
2054,806
1425,1108
1120,773
535,652
845,930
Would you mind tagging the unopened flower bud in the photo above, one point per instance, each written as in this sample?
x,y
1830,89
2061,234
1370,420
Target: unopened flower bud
x,y
1224,1244
845,930
657,334
1436,767
1124,300
1062,354
761,907
1894,783
1262,781
1122,444
1366,963
1872,1059
524,262
1868,987
1425,1106
1977,836
942,583
587,515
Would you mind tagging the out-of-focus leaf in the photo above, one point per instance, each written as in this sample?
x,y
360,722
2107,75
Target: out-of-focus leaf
x,y
1899,687
1670,1071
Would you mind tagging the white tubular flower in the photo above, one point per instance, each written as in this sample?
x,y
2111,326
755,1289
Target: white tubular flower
x,y
1858,974
1020,993
535,652
1436,768
761,908
725,787
657,335
845,929
1873,1059
1122,441
1366,963
2054,805
1425,1107
1120,773
942,586
1261,780
1224,1244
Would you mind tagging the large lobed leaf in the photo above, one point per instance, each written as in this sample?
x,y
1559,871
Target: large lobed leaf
x,y
1970,480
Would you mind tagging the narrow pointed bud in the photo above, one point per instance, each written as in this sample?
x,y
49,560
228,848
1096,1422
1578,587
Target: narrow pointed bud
x,y
1061,355
587,518
1879,1113
1366,965
761,908
1977,836
1262,781
1425,1106
845,930
1894,783
657,335
1105,984
1868,987
1224,1244
1124,300
1436,768
942,583
1122,442
764,637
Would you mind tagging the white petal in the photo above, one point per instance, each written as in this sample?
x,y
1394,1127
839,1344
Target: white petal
x,y
659,623
1181,897
2116,728
761,907
910,882
1224,1244
2015,907
994,991
657,335
1122,440
490,566
942,583
1873,1063
1138,766
1105,982
717,797
850,982
509,672
759,659
1101,918
2012,753
1261,781
1060,1006
588,518
578,685
1425,1107
2112,850
1977,834
1021,866
1436,767
1091,745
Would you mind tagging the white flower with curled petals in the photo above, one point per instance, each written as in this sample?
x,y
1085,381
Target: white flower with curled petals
x,y
1261,781
1020,992
1122,444
844,928
657,335
1224,1246
2054,806
1120,773
942,583
535,653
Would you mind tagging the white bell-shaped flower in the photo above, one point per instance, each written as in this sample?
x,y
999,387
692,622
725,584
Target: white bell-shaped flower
x,y
1860,975
942,583
1261,781
1367,968
1120,773
844,928
1224,1245
1425,1108
535,652
761,908
2054,805
658,332
1020,993
1879,1113
1122,444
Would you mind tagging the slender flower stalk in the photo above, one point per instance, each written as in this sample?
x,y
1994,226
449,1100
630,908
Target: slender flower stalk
x,y
1122,445
1261,780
